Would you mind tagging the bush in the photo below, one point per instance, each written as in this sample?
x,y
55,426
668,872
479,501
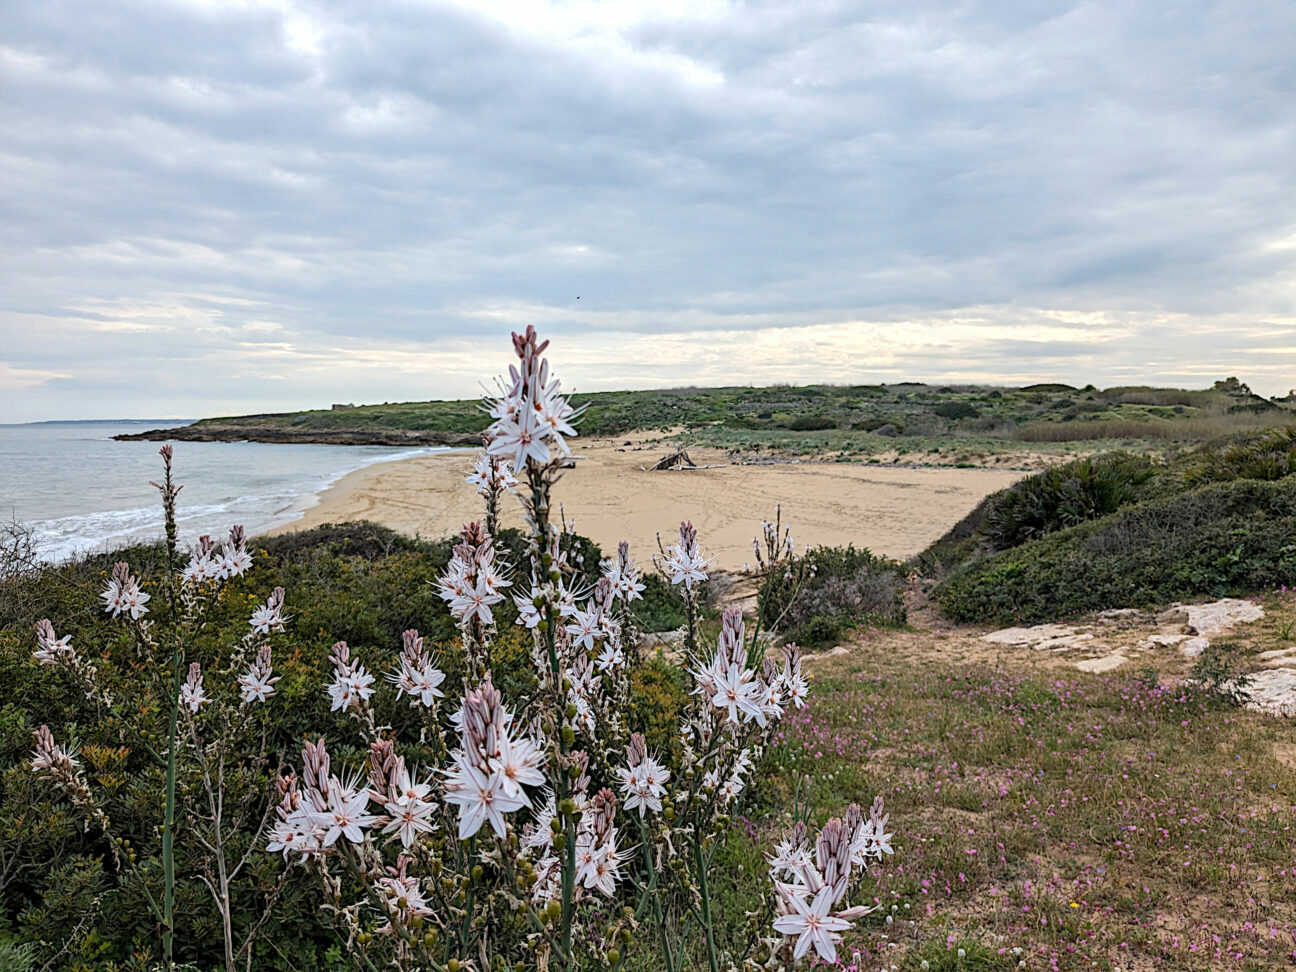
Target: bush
x,y
1218,675
1225,538
1268,455
810,423
1065,495
956,410
848,587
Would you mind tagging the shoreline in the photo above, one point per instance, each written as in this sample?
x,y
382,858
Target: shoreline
x,y
895,510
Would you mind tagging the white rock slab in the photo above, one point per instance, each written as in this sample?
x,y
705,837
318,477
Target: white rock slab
x,y
1106,663
1028,636
1220,617
1194,646
1274,691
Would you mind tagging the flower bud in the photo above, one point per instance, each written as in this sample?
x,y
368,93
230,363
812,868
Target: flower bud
x,y
613,956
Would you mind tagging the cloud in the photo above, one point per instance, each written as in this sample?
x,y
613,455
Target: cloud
x,y
292,193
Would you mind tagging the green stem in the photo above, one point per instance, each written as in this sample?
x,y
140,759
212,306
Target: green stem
x,y
168,826
708,929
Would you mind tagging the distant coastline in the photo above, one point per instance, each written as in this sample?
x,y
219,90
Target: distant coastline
x,y
254,432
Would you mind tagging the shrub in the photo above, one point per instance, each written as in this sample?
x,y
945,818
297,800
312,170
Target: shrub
x,y
956,410
1219,676
1065,495
1225,538
811,423
848,586
1268,454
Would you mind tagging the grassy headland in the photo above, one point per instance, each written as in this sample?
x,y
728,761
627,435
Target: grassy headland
x,y
847,421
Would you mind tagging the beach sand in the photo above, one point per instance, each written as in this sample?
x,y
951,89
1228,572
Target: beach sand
x,y
892,510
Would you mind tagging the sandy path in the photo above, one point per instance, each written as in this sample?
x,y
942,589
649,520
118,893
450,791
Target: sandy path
x,y
891,510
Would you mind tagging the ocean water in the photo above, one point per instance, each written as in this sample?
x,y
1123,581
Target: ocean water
x,y
83,492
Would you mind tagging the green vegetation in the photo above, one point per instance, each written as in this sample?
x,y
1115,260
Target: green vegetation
x,y
1123,530
846,588
63,902
1220,539
847,419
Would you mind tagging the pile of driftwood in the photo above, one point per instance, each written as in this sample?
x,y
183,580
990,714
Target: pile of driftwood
x,y
676,460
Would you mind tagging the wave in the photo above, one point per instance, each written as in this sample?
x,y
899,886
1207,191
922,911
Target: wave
x,y
71,537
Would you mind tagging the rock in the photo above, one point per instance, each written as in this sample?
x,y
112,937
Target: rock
x,y
1165,640
1219,617
1274,692
1278,657
1106,663
1120,614
1194,647
1175,614
1028,636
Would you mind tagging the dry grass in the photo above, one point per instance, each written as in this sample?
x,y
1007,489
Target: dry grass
x,y
1198,428
1047,816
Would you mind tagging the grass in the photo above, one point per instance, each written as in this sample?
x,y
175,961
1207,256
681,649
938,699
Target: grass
x,y
1062,820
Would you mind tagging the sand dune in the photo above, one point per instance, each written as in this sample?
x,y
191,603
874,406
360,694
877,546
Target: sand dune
x,y
892,510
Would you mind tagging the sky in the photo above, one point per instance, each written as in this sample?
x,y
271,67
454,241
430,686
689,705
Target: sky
x,y
213,207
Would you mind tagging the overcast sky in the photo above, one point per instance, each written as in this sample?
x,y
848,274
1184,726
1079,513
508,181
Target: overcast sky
x,y
220,207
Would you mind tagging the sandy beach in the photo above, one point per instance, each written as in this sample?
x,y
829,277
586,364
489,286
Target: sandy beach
x,y
892,510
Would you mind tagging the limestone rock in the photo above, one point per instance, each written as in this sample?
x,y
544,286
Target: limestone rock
x,y
1194,647
1028,636
1274,691
1106,663
1220,617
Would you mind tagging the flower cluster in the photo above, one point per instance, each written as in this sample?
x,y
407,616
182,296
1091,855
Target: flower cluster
x,y
407,801
532,417
744,695
684,563
812,889
51,649
352,686
491,473
192,695
269,617
492,766
472,583
623,575
122,595
416,673
257,683
643,780
206,563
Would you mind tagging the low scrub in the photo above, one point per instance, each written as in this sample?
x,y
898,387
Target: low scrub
x,y
1066,495
848,587
1224,538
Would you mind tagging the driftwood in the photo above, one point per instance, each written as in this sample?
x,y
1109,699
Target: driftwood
x,y
676,460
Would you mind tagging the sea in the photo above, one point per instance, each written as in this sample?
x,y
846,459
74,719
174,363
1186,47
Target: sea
x,y
83,492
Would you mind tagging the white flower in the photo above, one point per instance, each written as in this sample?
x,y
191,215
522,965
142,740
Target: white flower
x,y
256,686
480,797
285,836
643,785
345,815
610,657
409,818
520,439
684,567
734,691
586,628
517,765
52,649
812,923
